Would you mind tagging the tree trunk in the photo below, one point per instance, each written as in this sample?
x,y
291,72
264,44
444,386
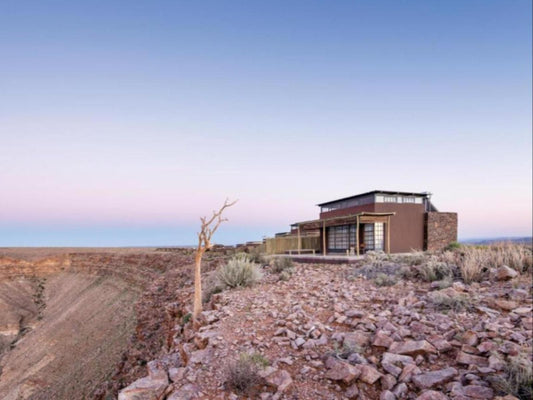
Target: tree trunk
x,y
197,285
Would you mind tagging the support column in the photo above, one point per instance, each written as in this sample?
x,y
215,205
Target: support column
x,y
299,241
388,234
357,234
325,250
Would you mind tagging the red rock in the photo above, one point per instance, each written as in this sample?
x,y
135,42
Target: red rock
x,y
412,347
279,380
478,392
354,340
382,340
188,391
441,344
388,382
369,374
506,305
431,379
469,359
470,338
487,346
432,395
387,395
341,371
408,371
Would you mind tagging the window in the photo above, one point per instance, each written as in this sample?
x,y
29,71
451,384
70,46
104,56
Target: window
x,y
389,199
373,236
408,199
341,237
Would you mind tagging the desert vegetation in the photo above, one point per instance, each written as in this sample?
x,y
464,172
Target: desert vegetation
x,y
455,323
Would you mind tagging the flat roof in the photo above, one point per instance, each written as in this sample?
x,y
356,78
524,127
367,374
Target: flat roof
x,y
386,192
346,217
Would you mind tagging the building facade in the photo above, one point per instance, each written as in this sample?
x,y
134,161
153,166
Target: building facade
x,y
394,222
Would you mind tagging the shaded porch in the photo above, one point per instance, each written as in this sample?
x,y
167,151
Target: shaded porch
x,y
350,234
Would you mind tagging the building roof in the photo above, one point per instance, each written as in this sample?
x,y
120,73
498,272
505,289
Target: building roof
x,y
344,218
385,192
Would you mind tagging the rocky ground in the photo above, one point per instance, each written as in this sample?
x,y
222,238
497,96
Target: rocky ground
x,y
328,333
82,323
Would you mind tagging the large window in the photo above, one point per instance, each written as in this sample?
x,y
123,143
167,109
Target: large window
x,y
341,238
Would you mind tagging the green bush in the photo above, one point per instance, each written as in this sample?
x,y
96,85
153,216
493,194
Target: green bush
x,y
238,272
453,246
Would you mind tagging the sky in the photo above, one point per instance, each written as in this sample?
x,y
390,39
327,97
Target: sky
x,y
121,123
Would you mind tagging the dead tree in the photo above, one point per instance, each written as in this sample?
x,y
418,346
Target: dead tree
x,y
207,230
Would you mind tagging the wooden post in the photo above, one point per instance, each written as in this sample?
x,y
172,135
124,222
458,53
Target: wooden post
x,y
357,234
325,251
388,234
299,241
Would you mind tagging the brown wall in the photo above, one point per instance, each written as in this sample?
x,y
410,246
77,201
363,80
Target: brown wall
x,y
441,230
407,226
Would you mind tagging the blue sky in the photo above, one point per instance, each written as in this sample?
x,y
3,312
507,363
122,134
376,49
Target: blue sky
x,y
122,123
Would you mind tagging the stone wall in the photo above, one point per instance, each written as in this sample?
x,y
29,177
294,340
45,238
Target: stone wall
x,y
440,230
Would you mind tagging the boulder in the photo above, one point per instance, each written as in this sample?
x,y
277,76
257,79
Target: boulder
x,y
504,273
431,379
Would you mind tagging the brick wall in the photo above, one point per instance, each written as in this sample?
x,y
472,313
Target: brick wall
x,y
440,230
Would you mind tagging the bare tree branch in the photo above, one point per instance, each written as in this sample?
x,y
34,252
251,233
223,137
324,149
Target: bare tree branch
x,y
204,244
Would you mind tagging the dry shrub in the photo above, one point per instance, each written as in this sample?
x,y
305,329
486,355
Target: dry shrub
x,y
385,280
238,272
450,301
518,379
477,260
516,256
243,374
376,258
434,269
474,264
280,264
257,255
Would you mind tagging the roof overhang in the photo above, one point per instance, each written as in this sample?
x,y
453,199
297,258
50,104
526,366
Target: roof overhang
x,y
362,217
373,192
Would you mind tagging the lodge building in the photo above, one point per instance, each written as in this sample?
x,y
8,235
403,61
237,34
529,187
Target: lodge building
x,y
393,222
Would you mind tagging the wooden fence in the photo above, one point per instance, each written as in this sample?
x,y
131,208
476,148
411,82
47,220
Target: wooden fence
x,y
284,244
